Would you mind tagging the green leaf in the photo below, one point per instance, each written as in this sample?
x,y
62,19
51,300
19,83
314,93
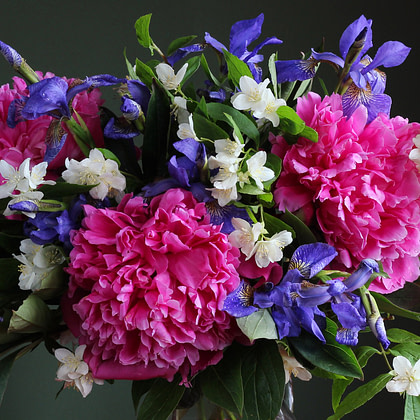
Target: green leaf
x,y
275,225
310,134
156,133
408,297
263,378
303,234
32,316
161,400
236,68
364,353
204,128
109,155
222,383
193,65
286,89
290,122
218,111
208,72
64,189
412,408
142,31
331,356
361,396
5,368
145,73
179,43
259,324
386,305
411,351
130,68
273,72
250,189
138,389
395,335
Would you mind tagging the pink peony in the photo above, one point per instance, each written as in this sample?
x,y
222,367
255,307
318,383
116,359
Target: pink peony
x,y
27,139
147,286
364,189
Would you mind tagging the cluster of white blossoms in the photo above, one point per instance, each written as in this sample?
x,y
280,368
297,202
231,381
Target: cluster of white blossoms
x,y
167,76
251,241
96,170
74,371
21,184
230,170
257,98
37,262
415,153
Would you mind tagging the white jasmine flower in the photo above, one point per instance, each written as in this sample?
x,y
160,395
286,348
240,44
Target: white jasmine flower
x,y
415,153
224,196
35,176
269,106
293,367
256,169
15,178
251,93
406,377
227,174
244,236
270,250
167,76
96,170
37,262
186,130
179,109
75,371
226,148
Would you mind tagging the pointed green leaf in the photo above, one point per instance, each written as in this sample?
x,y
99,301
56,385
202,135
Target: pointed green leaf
x,y
303,234
273,73
286,89
386,305
409,350
218,111
222,383
156,133
64,189
361,396
130,68
142,31
236,68
310,134
263,378
179,43
161,400
275,225
259,324
331,356
407,298
145,73
290,122
412,408
204,128
5,368
208,72
193,65
395,335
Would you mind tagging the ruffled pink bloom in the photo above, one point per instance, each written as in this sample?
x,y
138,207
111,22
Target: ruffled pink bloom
x,y
27,139
147,286
361,183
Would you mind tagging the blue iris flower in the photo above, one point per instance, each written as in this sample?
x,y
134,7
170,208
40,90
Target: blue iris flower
x,y
361,83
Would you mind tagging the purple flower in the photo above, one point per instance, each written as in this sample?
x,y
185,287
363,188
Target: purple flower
x,y
242,34
11,55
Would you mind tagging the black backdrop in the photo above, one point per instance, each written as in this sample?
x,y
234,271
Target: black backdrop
x,y
81,38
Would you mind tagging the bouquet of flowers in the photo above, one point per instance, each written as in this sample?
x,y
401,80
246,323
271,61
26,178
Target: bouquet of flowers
x,y
215,238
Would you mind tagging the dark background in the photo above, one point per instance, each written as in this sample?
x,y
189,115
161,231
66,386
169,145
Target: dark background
x,y
81,38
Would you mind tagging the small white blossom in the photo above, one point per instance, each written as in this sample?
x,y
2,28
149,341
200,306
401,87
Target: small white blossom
x,y
256,169
179,109
244,236
37,262
96,170
227,171
167,76
269,106
293,367
406,377
75,371
186,130
270,250
35,176
15,178
249,99
228,149
224,196
415,153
